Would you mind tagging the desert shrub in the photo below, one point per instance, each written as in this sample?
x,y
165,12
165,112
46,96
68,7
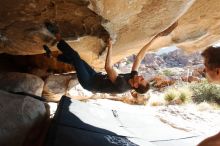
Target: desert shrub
x,y
156,103
167,72
185,94
177,95
205,92
183,97
170,95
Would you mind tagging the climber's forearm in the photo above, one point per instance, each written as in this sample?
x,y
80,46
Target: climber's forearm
x,y
112,74
141,55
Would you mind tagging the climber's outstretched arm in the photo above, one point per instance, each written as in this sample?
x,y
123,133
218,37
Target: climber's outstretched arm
x,y
142,52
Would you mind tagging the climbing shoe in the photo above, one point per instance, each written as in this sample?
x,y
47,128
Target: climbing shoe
x,y
63,59
48,52
51,27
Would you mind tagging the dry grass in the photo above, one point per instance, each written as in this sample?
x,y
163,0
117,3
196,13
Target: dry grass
x,y
178,95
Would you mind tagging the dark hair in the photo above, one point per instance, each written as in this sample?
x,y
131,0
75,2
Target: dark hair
x,y
142,89
212,57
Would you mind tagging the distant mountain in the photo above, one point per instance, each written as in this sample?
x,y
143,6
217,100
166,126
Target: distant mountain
x,y
175,60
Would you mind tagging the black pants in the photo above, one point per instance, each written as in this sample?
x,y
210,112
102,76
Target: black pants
x,y
84,72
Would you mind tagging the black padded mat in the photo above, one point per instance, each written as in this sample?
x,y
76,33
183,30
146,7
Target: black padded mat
x,y
80,124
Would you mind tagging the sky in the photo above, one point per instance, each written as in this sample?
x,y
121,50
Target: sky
x,y
166,50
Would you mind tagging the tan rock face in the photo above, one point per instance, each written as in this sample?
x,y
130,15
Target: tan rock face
x,y
22,23
130,23
133,23
198,28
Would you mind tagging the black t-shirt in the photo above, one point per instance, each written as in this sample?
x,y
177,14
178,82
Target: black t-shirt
x,y
101,83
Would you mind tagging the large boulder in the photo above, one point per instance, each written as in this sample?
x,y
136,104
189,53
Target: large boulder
x,y
162,81
56,86
176,58
86,25
198,28
19,116
130,23
21,82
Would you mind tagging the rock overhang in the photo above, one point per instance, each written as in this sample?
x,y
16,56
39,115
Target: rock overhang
x,y
87,24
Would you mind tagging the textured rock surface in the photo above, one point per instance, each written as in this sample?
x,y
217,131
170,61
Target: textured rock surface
x,y
198,28
56,86
22,29
19,114
21,82
131,23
